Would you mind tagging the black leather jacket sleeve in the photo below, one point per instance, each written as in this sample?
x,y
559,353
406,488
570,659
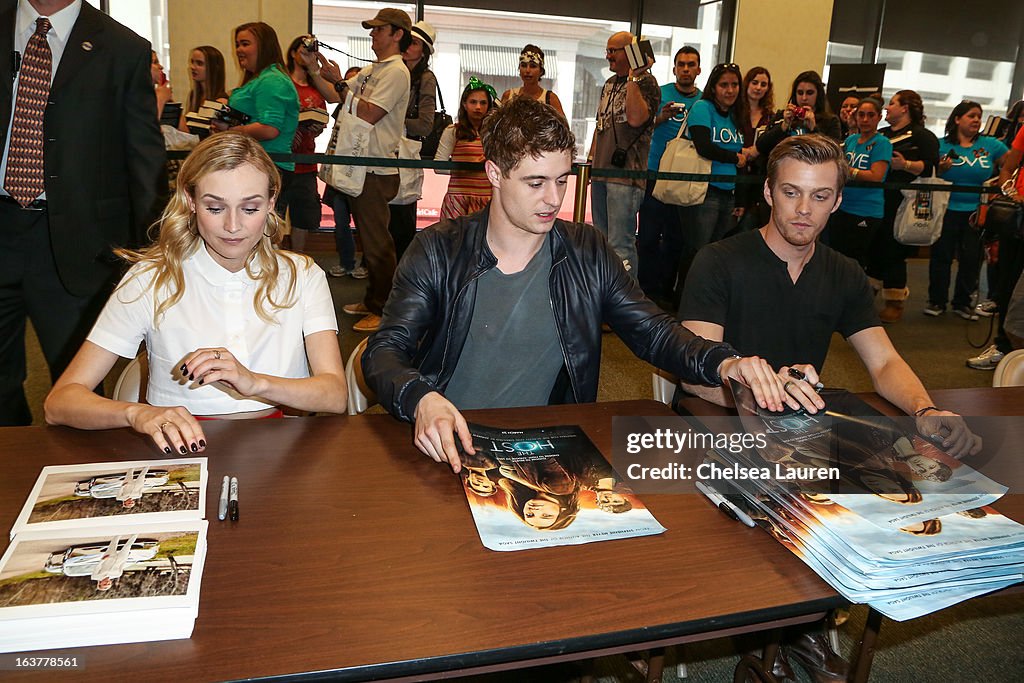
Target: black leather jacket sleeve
x,y
390,360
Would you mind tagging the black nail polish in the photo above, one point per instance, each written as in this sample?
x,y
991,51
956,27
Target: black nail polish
x,y
167,450
184,368
201,381
191,376
202,443
195,448
184,451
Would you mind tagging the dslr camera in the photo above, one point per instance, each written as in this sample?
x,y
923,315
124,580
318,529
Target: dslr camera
x,y
310,43
619,158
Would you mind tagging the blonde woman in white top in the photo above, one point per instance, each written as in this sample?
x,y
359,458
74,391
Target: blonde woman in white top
x,y
233,327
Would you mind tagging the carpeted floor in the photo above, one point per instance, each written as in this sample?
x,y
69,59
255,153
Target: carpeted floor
x,y
977,641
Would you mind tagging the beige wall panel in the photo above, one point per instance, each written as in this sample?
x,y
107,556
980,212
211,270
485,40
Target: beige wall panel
x,y
785,36
211,22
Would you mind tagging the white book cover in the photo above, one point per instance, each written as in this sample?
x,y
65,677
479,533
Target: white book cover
x,y
78,496
101,571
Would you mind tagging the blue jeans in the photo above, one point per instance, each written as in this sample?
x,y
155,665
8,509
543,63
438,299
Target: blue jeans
x,y
962,242
343,240
708,222
659,246
614,208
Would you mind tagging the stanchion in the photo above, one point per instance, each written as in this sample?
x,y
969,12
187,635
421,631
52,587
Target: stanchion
x,y
579,209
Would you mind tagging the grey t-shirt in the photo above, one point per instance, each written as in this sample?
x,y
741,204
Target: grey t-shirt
x,y
511,357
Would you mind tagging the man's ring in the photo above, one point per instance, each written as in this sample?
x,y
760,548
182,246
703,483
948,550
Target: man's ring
x,y
164,424
216,354
786,386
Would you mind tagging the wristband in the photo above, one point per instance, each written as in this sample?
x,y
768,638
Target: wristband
x,y
920,412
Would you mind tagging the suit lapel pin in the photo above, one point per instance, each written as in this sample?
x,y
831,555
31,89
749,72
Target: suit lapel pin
x,y
87,46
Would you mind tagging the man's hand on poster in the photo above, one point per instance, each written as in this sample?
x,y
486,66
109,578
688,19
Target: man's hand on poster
x,y
949,431
438,422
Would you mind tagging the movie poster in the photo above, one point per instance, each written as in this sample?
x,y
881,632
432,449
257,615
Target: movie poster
x,y
547,487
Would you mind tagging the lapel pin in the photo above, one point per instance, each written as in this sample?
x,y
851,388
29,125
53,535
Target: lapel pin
x,y
87,46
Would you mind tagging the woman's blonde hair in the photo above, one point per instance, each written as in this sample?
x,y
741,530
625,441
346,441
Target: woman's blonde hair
x,y
176,235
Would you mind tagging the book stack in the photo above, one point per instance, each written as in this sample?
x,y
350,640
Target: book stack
x,y
199,121
314,115
105,553
996,126
171,114
882,515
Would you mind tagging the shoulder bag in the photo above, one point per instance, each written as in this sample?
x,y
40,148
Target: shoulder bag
x,y
351,137
681,157
920,215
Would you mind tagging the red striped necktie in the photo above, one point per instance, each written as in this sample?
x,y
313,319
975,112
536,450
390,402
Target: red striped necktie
x,y
25,179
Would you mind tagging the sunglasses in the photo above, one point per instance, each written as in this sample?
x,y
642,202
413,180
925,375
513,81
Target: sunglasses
x,y
612,50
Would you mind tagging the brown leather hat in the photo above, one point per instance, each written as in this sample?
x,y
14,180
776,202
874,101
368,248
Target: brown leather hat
x,y
390,16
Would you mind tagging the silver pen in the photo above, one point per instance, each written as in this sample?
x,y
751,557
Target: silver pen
x,y
222,510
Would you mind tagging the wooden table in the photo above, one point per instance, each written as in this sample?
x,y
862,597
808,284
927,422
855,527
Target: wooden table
x,y
356,558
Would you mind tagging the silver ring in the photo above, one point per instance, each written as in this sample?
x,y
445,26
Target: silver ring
x,y
216,354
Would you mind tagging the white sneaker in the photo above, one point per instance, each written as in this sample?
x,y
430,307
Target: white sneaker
x,y
338,271
359,273
988,360
986,309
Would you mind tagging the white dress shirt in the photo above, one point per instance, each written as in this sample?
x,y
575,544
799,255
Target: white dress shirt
x,y
215,310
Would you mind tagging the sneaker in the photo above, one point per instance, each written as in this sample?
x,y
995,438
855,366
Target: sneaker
x,y
986,309
359,273
934,310
338,271
355,309
988,360
966,312
370,323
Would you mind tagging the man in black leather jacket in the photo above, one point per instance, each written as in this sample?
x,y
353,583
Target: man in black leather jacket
x,y
504,308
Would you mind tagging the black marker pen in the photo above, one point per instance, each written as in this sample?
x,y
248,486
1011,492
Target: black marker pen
x,y
233,500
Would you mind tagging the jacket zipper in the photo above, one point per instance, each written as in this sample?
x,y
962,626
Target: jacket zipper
x,y
451,323
558,332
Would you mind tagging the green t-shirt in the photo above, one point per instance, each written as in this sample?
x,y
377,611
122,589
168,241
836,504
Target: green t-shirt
x,y
271,99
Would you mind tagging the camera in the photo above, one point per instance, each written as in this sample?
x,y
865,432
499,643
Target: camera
x,y
799,112
618,159
310,43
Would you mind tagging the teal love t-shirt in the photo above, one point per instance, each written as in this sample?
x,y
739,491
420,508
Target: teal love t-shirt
x,y
724,134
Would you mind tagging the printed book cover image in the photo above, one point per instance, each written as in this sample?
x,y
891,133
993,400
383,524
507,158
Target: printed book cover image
x,y
75,496
546,487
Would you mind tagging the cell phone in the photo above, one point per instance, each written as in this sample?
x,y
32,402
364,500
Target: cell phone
x,y
952,155
639,53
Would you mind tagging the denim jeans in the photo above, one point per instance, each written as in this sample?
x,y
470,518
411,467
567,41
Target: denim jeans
x,y
614,208
704,224
659,246
343,240
958,240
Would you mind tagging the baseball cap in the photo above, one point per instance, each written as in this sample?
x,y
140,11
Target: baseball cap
x,y
390,16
